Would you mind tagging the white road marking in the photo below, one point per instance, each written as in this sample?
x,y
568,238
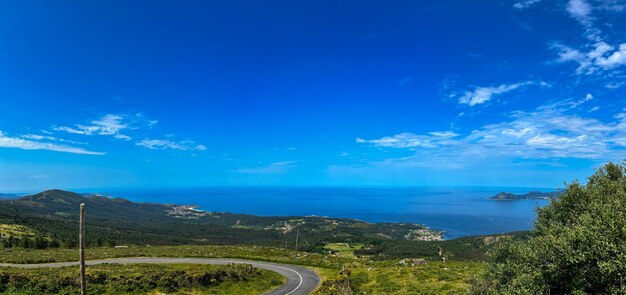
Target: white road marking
x,y
299,275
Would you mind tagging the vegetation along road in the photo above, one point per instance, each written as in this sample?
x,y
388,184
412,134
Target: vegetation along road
x,y
300,280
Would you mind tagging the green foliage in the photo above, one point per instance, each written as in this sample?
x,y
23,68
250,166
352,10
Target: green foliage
x,y
578,245
465,249
336,285
141,278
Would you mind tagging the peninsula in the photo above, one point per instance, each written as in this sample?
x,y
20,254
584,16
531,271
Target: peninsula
x,y
504,196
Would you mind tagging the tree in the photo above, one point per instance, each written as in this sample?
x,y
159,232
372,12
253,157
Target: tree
x,y
578,244
111,243
70,244
54,244
7,243
25,243
40,243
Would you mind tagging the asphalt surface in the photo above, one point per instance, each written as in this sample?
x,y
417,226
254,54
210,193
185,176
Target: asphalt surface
x,y
300,280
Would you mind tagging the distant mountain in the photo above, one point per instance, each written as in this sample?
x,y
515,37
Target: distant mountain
x,y
54,213
531,195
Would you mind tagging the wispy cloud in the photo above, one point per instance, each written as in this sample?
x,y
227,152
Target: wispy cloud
x,y
599,57
580,10
525,4
161,144
273,168
117,126
110,124
411,140
480,95
29,144
555,130
49,138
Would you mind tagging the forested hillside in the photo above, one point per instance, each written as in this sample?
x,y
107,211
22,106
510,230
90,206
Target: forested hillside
x,y
50,219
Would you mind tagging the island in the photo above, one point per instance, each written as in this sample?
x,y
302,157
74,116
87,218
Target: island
x,y
503,196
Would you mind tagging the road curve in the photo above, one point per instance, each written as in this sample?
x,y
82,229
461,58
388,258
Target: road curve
x,y
300,280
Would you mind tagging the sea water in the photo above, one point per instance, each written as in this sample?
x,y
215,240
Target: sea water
x,y
457,211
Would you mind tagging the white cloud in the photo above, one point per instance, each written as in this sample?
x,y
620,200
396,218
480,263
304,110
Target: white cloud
x,y
37,137
273,168
161,144
110,124
480,95
27,144
550,131
579,9
516,132
612,5
614,85
600,57
574,104
49,138
117,125
411,140
122,137
614,59
525,4
69,130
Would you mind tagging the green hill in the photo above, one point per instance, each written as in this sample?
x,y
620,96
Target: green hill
x,y
53,215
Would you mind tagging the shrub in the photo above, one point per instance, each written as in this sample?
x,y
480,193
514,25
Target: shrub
x,y
578,244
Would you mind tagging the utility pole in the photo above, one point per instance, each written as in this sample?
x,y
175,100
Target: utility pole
x,y
81,242
297,234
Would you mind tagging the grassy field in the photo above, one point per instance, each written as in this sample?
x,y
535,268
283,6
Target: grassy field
x,y
344,249
142,279
20,255
431,278
340,272
16,231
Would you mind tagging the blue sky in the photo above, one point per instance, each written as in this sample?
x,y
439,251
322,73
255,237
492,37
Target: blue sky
x,y
342,93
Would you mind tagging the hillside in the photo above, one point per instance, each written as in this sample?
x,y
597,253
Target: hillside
x,y
53,215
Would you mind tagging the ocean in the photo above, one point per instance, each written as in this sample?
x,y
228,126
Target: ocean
x,y
459,212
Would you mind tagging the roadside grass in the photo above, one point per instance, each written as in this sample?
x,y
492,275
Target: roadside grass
x,y
142,279
362,275
388,277
20,255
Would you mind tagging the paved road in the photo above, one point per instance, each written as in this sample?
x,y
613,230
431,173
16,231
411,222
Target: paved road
x,y
300,280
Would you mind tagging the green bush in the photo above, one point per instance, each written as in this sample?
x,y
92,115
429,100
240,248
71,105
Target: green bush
x,y
578,244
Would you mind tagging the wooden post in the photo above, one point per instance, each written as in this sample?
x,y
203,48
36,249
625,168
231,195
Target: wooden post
x,y
81,242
